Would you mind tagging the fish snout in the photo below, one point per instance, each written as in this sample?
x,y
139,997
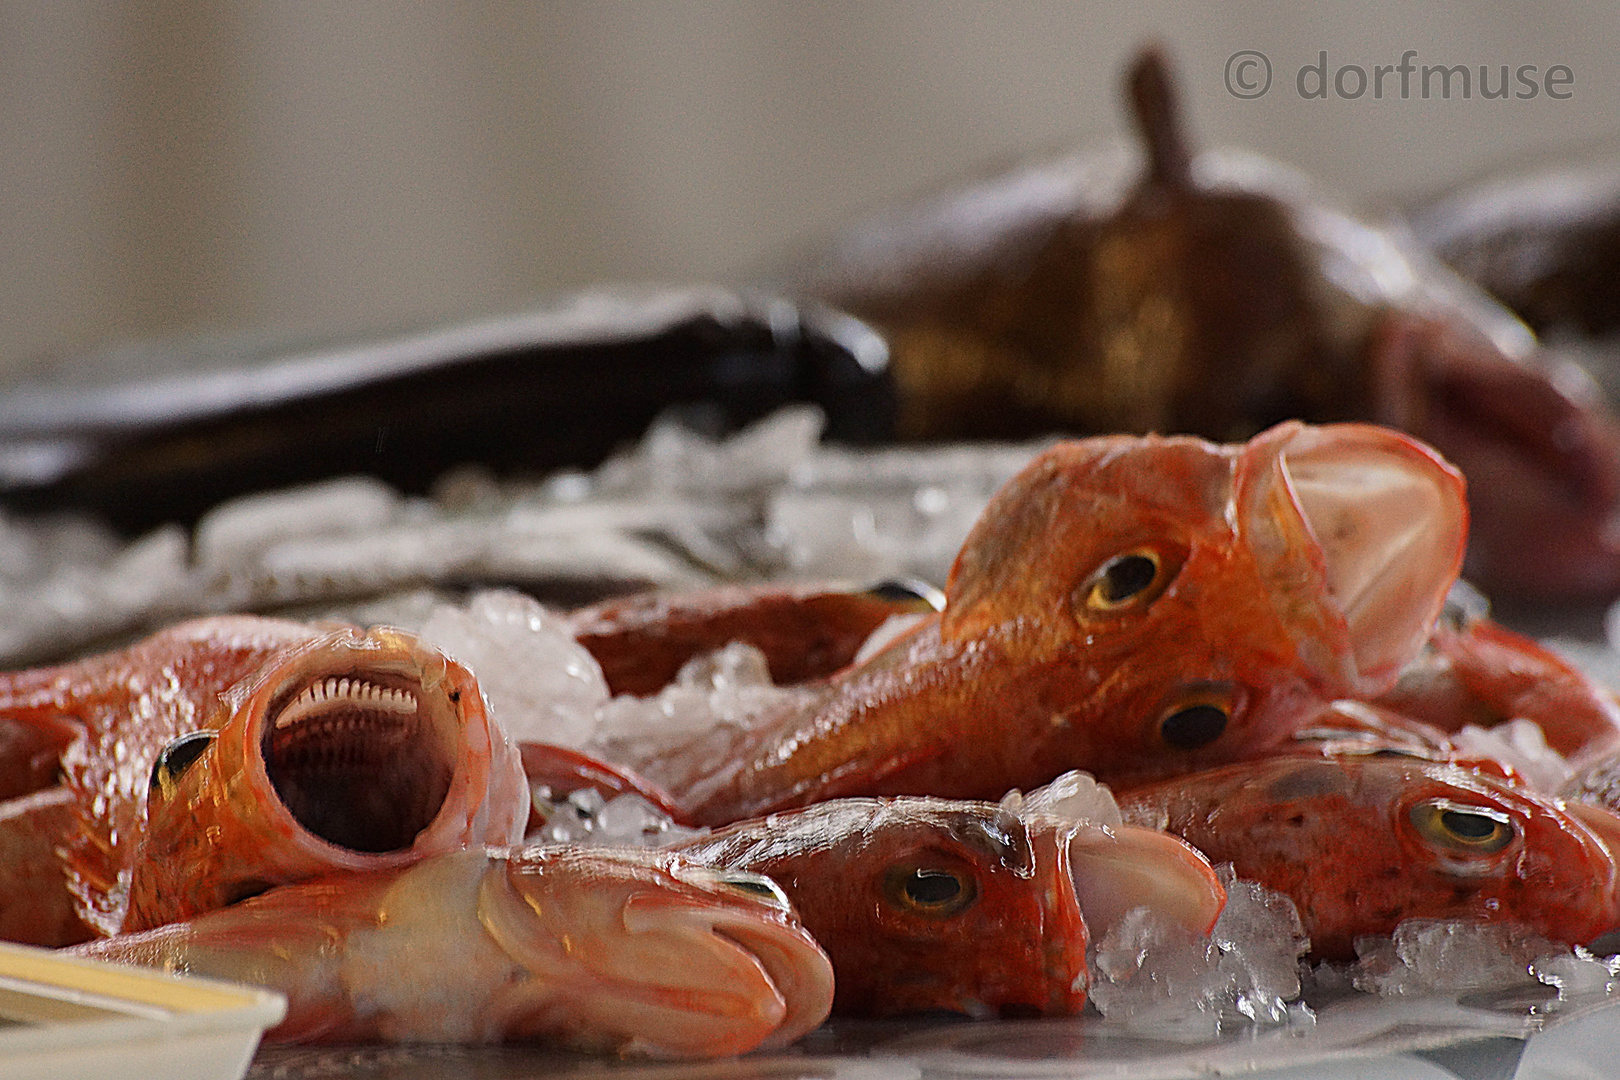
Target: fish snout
x,y
743,951
1126,866
1604,824
1358,532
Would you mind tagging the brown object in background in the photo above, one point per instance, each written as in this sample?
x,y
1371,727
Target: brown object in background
x,y
1213,295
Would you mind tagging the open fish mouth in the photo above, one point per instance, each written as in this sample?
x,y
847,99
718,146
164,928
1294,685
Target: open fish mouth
x,y
1371,520
363,758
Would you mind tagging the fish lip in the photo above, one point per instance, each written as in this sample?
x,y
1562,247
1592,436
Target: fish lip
x,y
1604,825
1120,867
1358,532
453,729
790,960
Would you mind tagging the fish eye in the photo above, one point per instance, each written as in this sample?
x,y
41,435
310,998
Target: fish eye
x,y
177,757
756,885
1472,830
930,890
909,594
1198,714
1194,726
1133,577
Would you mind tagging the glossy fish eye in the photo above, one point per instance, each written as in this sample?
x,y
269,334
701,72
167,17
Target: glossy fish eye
x,y
1130,578
1194,726
177,757
1472,830
756,885
930,890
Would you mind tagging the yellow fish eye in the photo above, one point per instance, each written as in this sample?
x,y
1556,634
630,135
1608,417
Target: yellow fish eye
x,y
176,758
1124,579
1472,830
928,890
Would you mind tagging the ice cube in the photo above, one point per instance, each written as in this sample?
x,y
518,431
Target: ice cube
x,y
1577,972
1153,974
541,684
1074,796
1434,955
239,530
1521,744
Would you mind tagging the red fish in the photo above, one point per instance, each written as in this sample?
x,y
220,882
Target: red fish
x,y
1362,842
936,905
610,951
1475,671
1131,606
227,755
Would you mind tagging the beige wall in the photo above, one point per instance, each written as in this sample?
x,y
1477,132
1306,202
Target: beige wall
x,y
227,163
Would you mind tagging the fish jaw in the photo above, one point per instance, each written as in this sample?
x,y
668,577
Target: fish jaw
x,y
1358,532
652,955
1122,867
350,752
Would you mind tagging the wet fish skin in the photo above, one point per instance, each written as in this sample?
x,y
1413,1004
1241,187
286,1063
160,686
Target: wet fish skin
x,y
1362,842
637,953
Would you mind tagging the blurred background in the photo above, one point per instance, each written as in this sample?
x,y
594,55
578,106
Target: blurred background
x,y
226,164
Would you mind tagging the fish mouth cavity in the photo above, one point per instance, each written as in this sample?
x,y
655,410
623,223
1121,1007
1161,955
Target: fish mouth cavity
x,y
362,759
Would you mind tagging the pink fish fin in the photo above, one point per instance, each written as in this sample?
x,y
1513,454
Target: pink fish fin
x,y
89,856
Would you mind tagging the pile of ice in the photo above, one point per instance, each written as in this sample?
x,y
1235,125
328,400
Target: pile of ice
x,y
1429,956
1155,976
680,510
590,818
543,686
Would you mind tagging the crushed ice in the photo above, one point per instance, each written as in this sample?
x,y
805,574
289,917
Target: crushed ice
x,y
1428,956
1154,975
543,686
680,510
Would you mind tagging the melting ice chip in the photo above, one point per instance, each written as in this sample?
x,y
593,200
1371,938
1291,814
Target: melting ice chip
x,y
1155,976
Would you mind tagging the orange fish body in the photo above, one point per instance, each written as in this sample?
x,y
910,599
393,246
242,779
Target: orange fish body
x,y
1479,672
1361,843
223,756
1130,606
903,893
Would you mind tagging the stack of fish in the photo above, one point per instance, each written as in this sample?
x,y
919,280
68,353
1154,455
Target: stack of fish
x,y
1249,642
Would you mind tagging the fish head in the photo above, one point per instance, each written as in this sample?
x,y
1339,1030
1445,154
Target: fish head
x,y
1362,843
351,751
1172,604
929,905
648,953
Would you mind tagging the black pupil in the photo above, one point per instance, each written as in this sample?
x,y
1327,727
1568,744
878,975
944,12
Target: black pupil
x,y
178,755
1126,576
932,887
1467,826
1194,726
746,885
